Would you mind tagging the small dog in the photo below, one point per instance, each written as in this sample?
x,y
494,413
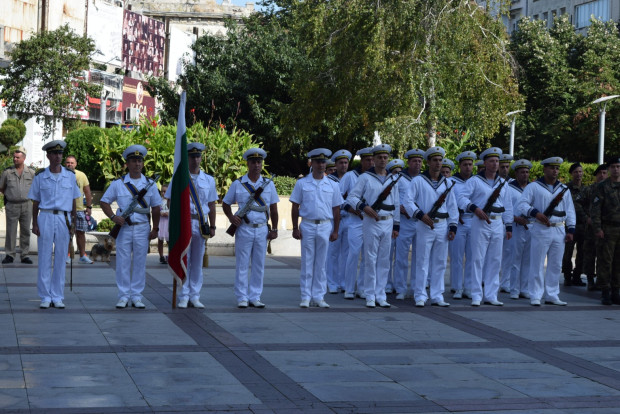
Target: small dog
x,y
102,250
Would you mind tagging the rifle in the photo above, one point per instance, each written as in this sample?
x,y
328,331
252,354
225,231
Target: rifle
x,y
133,205
439,202
492,199
555,202
243,211
385,193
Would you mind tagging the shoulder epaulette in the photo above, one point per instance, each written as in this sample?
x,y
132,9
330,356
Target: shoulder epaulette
x,y
71,171
39,171
9,167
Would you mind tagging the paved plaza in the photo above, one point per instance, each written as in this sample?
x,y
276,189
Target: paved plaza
x,y
93,358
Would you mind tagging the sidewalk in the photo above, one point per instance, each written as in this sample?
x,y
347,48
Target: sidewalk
x,y
93,358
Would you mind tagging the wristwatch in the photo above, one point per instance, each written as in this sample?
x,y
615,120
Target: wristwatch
x,y
91,207
212,227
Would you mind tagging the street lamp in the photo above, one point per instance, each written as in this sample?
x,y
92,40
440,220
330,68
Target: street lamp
x,y
512,130
601,124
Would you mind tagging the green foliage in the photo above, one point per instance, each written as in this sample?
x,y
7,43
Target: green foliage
x,y
45,76
588,172
562,72
105,225
223,156
9,136
80,143
17,123
454,143
284,185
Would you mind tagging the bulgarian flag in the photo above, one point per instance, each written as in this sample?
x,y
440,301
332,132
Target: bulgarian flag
x,y
180,224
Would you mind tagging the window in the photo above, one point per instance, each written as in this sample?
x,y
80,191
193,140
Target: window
x,y
563,11
599,9
545,17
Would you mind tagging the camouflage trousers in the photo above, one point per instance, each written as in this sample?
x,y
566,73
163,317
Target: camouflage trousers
x,y
589,252
608,258
567,259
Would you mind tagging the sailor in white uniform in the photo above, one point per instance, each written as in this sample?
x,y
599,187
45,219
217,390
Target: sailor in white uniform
x,y
395,166
317,200
487,197
547,200
508,244
375,195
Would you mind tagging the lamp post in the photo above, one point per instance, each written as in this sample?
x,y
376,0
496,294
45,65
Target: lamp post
x,y
602,102
512,130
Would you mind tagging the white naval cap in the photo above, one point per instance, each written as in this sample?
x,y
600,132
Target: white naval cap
x,y
491,152
480,163
522,163
505,158
414,153
195,149
466,155
319,154
434,152
381,149
448,163
395,163
552,161
254,153
134,151
365,152
56,146
340,154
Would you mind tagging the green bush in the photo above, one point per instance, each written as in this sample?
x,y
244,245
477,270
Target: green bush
x,y
80,144
17,123
9,136
105,225
284,185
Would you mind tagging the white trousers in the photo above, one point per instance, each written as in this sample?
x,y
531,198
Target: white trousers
x,y
486,255
54,239
132,245
314,242
390,278
377,241
507,259
519,273
343,236
547,243
459,247
250,246
193,283
431,254
355,242
404,241
333,255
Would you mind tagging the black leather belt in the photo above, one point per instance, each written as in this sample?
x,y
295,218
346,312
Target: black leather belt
x,y
558,213
49,210
497,209
15,202
442,215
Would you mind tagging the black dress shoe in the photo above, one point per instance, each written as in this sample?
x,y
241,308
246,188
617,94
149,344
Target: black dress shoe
x,y
27,260
7,260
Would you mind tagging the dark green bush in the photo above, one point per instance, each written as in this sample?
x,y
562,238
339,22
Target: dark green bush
x,y
9,136
17,123
284,185
80,144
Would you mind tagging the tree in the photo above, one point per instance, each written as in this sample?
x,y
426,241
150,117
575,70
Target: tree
x,y
45,77
11,132
561,73
407,68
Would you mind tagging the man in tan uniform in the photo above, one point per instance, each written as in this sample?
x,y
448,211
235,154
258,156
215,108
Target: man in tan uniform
x,y
15,183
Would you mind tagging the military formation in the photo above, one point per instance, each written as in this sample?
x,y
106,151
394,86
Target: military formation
x,y
385,228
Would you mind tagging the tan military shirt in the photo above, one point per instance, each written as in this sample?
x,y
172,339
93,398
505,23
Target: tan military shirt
x,y
15,187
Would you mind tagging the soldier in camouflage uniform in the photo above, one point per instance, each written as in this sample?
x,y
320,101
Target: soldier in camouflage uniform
x,y
589,243
606,223
572,277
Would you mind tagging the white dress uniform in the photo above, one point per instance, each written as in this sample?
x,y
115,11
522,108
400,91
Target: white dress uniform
x,y
547,242
335,279
316,198
460,276
377,235
391,167
132,243
251,238
486,239
55,194
507,245
431,244
520,265
354,240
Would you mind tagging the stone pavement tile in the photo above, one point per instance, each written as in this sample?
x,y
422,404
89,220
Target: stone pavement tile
x,y
132,326
55,327
192,393
8,336
93,299
552,325
361,391
604,355
558,387
14,399
481,356
462,388
78,380
417,328
256,328
322,366
421,373
519,370
404,357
